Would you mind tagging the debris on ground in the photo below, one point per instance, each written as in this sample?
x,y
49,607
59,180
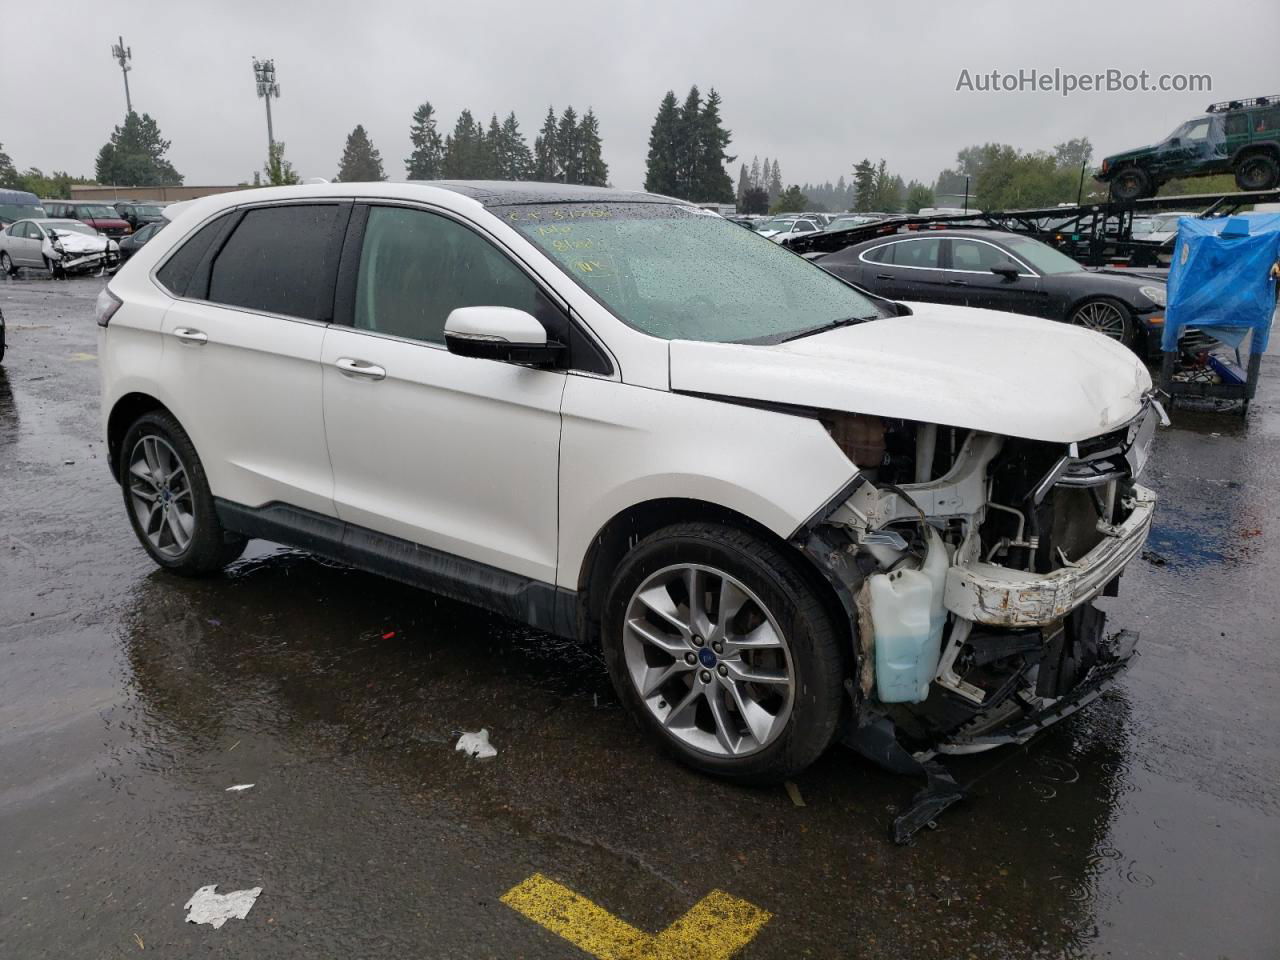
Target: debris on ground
x,y
238,787
476,745
794,793
215,909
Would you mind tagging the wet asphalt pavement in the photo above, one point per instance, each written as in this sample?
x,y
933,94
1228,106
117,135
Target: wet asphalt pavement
x,y
1147,826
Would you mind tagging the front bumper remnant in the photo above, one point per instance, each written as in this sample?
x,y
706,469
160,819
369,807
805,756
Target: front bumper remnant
x,y
1003,597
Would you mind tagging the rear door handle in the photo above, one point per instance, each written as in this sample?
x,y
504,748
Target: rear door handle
x,y
957,283
362,369
188,335
884,276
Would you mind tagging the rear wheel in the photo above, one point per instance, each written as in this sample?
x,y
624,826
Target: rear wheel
x,y
1257,171
1107,317
718,646
168,499
6,265
1131,183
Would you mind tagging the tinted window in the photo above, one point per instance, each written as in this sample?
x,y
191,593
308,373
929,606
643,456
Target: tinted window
x,y
917,253
1237,124
280,260
417,267
176,274
880,254
973,255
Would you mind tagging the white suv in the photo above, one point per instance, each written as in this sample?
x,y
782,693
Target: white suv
x,y
787,509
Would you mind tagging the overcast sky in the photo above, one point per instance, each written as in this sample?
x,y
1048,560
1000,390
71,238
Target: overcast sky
x,y
817,85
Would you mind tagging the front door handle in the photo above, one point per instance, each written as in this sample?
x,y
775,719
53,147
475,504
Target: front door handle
x,y
362,369
957,283
884,276
188,335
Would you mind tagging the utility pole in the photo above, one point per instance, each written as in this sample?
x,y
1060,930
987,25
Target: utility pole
x,y
966,193
264,72
123,55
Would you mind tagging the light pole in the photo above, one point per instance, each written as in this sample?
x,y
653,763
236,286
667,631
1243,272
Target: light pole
x,y
123,55
264,72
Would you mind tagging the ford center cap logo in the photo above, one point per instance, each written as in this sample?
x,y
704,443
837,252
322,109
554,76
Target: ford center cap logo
x,y
707,657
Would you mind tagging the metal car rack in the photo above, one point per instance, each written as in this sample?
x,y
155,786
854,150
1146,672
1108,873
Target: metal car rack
x,y
1094,234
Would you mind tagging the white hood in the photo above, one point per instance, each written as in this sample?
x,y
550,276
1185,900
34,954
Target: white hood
x,y
73,242
957,366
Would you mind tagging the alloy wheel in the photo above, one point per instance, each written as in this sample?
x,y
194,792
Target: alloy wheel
x,y
708,660
161,496
1103,317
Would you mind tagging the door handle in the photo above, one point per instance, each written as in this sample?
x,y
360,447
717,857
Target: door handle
x,y
957,283
360,368
188,335
884,276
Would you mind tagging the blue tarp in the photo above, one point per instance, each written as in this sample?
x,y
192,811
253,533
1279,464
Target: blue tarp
x,y
1220,278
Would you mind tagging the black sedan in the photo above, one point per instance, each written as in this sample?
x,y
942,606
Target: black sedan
x,y
137,240
1005,271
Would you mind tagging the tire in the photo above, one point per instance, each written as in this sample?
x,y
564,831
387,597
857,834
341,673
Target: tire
x,y
1257,171
54,269
1109,317
6,265
794,718
158,461
1131,183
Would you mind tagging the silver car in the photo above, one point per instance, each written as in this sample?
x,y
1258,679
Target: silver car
x,y
60,246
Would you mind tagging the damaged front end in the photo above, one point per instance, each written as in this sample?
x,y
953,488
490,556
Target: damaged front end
x,y
971,563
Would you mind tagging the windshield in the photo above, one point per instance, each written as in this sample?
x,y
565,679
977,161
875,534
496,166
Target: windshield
x,y
96,211
145,210
777,223
681,275
20,211
1041,256
70,226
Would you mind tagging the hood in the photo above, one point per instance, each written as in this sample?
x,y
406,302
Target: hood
x,y
108,223
73,242
956,366
1122,284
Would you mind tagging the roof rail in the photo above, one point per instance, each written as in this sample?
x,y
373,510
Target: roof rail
x,y
1225,105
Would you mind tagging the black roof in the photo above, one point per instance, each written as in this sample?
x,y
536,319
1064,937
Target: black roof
x,y
501,193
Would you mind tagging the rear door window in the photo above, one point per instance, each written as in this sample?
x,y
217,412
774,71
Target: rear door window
x,y
917,253
882,254
281,260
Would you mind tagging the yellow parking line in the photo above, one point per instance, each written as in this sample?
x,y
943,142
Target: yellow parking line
x,y
717,926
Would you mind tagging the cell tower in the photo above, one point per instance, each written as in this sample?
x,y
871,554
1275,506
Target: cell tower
x,y
123,57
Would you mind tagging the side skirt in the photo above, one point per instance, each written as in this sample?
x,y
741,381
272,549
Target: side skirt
x,y
541,605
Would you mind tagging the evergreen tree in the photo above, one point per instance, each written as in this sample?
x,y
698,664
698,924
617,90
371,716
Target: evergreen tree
x,y
791,200
775,182
497,156
546,163
595,172
519,159
755,200
842,195
755,172
8,172
661,166
918,195
464,150
428,149
710,179
744,183
689,146
569,146
864,186
134,155
278,171
360,160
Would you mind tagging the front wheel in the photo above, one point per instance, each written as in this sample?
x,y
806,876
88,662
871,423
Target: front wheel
x,y
1257,171
168,499
1107,317
6,265
719,647
1131,183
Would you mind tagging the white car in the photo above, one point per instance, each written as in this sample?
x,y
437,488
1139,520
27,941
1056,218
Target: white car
x,y
786,509
781,228
1159,227
61,246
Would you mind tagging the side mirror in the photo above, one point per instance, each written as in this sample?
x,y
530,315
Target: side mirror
x,y
1006,269
500,333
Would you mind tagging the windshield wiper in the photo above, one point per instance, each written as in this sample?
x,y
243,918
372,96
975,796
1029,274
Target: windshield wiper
x,y
834,324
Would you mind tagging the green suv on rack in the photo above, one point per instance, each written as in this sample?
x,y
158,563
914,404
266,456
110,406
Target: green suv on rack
x,y
1237,136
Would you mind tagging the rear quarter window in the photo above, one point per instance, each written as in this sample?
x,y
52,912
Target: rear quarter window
x,y
175,276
